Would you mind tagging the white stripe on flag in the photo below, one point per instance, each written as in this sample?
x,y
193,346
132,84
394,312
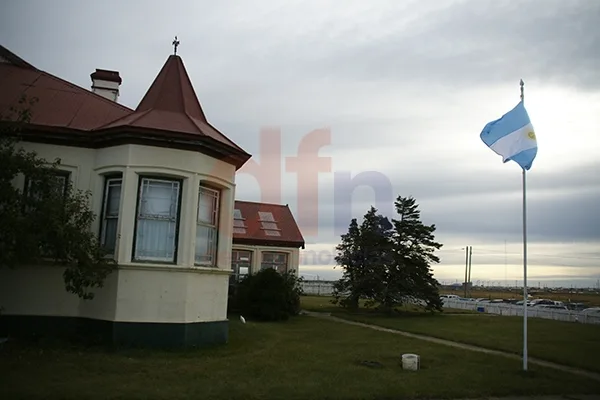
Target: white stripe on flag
x,y
515,142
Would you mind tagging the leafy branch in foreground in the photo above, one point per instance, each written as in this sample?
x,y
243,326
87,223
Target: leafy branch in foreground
x,y
43,218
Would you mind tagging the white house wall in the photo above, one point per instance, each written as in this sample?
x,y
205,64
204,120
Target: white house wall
x,y
137,292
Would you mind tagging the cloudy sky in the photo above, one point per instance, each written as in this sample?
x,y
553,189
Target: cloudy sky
x,y
389,95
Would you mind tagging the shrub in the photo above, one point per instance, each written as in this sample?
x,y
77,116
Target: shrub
x,y
268,296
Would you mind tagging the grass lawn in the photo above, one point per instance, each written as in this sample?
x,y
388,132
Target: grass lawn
x,y
303,358
566,343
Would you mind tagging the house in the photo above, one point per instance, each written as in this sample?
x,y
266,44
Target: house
x,y
264,236
163,182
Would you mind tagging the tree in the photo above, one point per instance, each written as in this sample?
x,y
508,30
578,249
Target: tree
x,y
362,253
389,263
48,220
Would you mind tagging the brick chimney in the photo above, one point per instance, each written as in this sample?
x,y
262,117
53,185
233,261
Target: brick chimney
x,y
106,83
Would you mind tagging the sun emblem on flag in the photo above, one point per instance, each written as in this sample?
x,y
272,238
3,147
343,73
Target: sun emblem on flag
x,y
531,135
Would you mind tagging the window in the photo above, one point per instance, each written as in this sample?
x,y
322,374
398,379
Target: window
x,y
240,264
110,213
39,192
157,220
60,183
207,226
268,223
277,261
239,226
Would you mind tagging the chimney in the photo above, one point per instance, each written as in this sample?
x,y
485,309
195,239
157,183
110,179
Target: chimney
x,y
106,83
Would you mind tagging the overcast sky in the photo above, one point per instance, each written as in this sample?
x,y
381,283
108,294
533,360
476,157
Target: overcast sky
x,y
396,90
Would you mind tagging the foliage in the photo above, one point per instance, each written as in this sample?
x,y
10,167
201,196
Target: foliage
x,y
388,263
49,221
268,295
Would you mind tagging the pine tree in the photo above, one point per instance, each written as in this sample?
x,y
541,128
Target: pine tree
x,y
388,263
363,254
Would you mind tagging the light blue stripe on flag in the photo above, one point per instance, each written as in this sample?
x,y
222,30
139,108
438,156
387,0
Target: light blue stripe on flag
x,y
512,136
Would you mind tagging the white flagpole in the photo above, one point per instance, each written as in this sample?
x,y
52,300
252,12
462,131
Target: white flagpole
x,y
524,254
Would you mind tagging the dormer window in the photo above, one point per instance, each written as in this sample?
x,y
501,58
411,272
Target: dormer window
x,y
207,226
239,225
268,223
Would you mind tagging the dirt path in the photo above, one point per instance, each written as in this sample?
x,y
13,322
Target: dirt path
x,y
564,368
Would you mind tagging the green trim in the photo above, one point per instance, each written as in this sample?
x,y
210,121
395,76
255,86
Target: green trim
x,y
131,334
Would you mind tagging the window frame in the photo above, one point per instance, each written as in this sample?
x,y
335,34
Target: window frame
x,y
235,276
287,260
216,226
141,178
58,172
102,229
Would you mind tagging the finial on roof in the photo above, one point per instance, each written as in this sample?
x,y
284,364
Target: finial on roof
x,y
175,44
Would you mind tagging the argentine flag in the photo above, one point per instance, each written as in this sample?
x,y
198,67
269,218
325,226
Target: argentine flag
x,y
512,137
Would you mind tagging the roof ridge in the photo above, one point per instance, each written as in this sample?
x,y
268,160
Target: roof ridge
x,y
262,202
136,114
231,142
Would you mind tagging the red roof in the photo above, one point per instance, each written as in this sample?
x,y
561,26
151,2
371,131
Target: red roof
x,y
168,115
58,103
266,224
172,105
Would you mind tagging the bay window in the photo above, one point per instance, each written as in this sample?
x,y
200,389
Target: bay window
x,y
207,223
110,213
157,220
277,261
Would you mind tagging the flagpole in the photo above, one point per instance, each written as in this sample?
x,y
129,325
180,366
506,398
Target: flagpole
x,y
524,253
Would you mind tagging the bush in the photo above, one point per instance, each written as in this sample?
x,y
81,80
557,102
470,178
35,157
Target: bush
x,y
268,296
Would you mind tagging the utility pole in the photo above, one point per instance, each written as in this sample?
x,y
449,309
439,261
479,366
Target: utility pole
x,y
470,259
466,267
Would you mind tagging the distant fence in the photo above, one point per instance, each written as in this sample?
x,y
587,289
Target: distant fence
x,y
325,288
516,310
318,288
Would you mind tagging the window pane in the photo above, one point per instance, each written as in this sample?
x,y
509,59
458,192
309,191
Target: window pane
x,y
265,216
112,200
269,225
159,199
207,206
205,244
157,220
237,214
155,240
110,235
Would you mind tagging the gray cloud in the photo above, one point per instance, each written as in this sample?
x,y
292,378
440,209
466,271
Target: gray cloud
x,y
392,80
483,42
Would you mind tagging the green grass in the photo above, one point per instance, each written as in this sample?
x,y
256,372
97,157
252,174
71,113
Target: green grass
x,y
303,358
567,343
